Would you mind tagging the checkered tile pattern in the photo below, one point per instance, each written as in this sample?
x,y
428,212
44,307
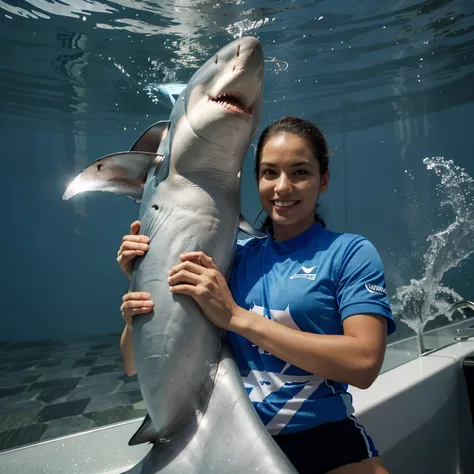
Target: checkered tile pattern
x,y
54,388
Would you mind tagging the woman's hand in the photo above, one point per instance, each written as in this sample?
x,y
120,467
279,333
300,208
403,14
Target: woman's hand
x,y
132,245
135,303
198,277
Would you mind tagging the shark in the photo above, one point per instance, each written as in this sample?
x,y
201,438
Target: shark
x,y
186,174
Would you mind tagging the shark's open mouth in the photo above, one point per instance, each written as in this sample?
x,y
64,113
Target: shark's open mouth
x,y
233,103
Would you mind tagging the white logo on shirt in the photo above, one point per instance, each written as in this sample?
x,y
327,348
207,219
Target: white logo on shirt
x,y
375,289
260,384
280,316
305,272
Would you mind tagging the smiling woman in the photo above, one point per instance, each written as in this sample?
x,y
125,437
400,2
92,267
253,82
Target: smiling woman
x,y
300,319
293,174
389,82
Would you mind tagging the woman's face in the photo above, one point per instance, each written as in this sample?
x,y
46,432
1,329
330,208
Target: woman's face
x,y
289,184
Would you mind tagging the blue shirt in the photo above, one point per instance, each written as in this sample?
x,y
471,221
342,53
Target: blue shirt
x,y
311,283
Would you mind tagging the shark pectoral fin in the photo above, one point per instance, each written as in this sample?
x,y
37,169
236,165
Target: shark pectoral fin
x,y
150,140
145,434
120,173
245,227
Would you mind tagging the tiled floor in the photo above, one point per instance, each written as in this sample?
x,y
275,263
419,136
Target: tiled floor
x,y
53,388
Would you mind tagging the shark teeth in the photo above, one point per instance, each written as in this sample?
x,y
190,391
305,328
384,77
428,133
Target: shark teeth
x,y
231,102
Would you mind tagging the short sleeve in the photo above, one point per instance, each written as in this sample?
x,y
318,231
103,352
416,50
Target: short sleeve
x,y
361,286
240,250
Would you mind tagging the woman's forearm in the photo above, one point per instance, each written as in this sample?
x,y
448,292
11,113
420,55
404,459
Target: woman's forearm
x,y
340,358
126,348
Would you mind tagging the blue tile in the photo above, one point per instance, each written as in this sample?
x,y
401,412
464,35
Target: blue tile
x,y
21,436
62,410
9,408
54,394
66,426
115,415
66,382
4,392
17,420
85,362
90,391
103,369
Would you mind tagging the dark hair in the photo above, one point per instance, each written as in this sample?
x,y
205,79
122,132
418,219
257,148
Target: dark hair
x,y
305,130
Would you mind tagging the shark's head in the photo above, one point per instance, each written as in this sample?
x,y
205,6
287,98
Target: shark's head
x,y
223,100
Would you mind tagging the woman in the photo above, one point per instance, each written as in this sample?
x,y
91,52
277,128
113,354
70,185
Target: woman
x,y
326,313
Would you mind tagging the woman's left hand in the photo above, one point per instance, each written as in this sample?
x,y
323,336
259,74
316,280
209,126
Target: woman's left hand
x,y
206,285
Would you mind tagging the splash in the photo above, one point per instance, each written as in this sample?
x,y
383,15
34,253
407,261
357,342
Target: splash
x,y
279,64
240,28
424,299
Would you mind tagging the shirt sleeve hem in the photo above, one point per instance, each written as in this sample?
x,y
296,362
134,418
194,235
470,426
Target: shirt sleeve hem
x,y
367,308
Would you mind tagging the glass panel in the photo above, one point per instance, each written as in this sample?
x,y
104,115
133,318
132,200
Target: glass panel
x,y
390,84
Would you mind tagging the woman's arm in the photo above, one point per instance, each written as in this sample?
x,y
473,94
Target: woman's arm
x,y
133,303
126,348
354,358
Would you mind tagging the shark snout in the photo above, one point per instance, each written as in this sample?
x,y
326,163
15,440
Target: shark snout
x,y
248,55
248,45
239,85
244,52
228,89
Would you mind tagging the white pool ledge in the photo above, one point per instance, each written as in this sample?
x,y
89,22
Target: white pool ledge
x,y
417,413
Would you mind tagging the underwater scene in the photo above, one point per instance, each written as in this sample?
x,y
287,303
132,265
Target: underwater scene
x,y
391,84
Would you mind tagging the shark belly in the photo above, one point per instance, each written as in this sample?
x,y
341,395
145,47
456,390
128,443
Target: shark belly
x,y
176,348
186,173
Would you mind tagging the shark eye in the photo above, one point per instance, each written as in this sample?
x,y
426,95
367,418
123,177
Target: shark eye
x,y
215,59
238,50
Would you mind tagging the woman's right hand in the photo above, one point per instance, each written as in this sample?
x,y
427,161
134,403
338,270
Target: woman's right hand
x,y
135,303
132,245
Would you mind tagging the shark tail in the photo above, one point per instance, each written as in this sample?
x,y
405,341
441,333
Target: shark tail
x,y
229,437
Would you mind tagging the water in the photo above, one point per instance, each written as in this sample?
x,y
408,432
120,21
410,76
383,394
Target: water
x,y
426,298
388,82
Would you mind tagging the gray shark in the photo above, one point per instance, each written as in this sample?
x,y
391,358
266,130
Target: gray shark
x,y
186,174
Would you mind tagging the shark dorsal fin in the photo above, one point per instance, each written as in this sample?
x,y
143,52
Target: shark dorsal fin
x,y
149,141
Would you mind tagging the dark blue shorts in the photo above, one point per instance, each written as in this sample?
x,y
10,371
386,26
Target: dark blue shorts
x,y
325,447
